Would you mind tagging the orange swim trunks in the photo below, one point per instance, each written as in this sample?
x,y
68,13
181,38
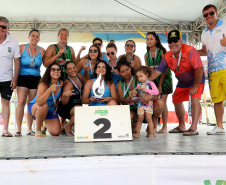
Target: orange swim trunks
x,y
182,94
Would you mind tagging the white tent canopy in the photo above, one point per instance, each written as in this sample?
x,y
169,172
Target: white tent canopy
x,y
104,10
100,16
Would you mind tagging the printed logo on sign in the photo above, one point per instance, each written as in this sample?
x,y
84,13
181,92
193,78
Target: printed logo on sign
x,y
121,136
101,112
9,49
219,182
82,137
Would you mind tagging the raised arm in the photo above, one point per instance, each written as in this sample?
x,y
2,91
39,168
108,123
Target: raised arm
x,y
80,64
51,56
73,56
79,53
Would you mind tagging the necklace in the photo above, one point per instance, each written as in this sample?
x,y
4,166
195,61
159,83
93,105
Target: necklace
x,y
32,64
65,48
179,58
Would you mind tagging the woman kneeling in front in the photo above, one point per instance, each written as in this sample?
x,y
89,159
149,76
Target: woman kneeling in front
x,y
43,107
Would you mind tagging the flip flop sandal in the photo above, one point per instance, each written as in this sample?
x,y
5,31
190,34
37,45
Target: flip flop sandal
x,y
30,134
69,134
18,134
38,134
7,135
192,133
177,130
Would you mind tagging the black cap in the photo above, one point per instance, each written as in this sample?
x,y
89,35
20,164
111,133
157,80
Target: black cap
x,y
174,35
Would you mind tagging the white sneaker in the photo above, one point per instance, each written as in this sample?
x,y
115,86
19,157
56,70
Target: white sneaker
x,y
216,131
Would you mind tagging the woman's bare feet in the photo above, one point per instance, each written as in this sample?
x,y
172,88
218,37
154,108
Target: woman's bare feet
x,y
162,131
136,135
151,136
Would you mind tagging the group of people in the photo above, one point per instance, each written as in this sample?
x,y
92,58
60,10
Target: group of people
x,y
68,80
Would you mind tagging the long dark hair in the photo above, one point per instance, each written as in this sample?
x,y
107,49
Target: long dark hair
x,y
98,49
46,77
123,62
158,44
108,74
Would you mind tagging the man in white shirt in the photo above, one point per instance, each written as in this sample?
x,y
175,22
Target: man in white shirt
x,y
214,47
9,52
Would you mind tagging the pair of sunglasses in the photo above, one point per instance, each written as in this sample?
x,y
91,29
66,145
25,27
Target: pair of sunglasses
x,y
90,51
3,27
130,45
206,14
173,40
97,44
55,70
111,53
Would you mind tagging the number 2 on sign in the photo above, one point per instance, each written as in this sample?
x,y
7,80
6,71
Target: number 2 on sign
x,y
100,134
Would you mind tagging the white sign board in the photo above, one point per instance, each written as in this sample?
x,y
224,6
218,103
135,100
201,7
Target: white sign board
x,y
102,123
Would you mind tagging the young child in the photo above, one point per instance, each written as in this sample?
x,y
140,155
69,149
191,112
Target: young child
x,y
149,87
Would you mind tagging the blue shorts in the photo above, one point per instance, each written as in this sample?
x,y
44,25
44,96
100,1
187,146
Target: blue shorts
x,y
50,114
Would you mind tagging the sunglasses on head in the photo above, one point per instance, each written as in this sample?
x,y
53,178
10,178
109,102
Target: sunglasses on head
x,y
90,51
55,70
3,27
173,40
206,14
130,45
97,44
111,53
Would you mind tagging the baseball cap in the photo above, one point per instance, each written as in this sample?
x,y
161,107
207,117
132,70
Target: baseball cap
x,y
174,35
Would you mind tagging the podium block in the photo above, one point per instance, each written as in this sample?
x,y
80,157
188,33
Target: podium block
x,y
102,123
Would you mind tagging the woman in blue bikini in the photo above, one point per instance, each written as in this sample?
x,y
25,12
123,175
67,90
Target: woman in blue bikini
x,y
110,94
86,64
43,107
